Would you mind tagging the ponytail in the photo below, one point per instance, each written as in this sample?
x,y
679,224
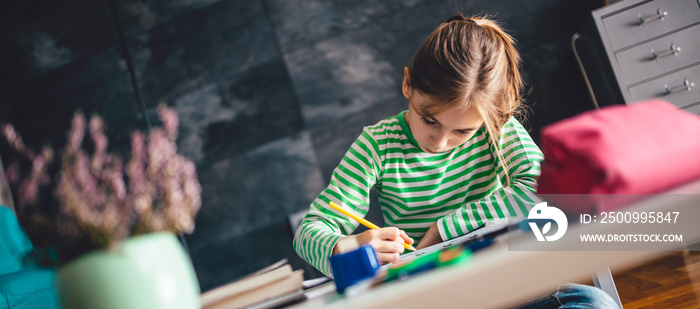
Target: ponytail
x,y
510,103
510,65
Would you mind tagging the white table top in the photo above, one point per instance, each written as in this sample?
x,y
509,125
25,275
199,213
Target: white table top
x,y
497,277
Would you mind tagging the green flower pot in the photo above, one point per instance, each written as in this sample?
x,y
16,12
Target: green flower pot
x,y
148,271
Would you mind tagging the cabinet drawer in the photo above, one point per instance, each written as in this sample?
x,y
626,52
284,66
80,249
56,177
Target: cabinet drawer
x,y
681,97
625,28
639,63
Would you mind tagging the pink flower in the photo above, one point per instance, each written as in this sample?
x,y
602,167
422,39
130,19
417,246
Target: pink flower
x,y
101,197
16,141
170,121
76,134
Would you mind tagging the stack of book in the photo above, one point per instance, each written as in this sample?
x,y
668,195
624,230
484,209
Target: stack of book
x,y
271,286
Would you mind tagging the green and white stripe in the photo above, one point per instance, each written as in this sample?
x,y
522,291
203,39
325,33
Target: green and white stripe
x,y
460,189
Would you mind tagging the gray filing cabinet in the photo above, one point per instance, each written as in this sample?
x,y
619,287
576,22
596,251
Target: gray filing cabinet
x,y
636,50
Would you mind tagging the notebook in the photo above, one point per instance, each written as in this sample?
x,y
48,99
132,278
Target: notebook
x,y
489,229
271,286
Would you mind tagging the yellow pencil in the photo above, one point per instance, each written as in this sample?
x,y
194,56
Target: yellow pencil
x,y
362,221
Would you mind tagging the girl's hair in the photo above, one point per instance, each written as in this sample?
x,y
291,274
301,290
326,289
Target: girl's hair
x,y
470,62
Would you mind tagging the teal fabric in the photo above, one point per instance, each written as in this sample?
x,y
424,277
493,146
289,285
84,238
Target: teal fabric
x,y
14,244
21,285
28,289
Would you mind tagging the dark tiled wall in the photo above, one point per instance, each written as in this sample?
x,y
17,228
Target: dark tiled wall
x,y
270,93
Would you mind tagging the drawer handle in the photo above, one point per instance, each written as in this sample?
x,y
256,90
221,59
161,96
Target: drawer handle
x,y
671,51
687,86
659,16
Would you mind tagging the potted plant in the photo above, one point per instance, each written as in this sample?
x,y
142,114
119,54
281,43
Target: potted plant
x,y
111,223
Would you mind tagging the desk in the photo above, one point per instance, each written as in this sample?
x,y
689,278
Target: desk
x,y
497,277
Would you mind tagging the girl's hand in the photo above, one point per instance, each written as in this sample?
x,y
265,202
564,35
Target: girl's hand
x,y
432,237
387,242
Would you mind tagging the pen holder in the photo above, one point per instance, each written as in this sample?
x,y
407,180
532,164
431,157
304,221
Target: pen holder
x,y
354,266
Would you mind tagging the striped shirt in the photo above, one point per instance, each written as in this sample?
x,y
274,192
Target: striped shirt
x,y
459,189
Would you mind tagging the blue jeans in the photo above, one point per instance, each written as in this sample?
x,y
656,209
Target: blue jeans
x,y
574,296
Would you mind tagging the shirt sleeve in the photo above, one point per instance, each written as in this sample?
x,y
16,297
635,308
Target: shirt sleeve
x,y
349,187
522,159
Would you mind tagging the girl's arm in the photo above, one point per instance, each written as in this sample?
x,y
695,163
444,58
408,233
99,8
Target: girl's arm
x,y
522,158
350,185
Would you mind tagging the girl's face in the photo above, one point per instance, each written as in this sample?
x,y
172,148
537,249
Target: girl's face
x,y
442,132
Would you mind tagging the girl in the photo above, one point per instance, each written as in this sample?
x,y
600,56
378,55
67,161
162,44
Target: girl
x,y
455,159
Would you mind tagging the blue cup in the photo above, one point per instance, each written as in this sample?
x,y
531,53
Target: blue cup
x,y
352,267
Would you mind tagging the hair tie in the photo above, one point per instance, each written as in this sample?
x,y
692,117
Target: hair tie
x,y
456,17
460,18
